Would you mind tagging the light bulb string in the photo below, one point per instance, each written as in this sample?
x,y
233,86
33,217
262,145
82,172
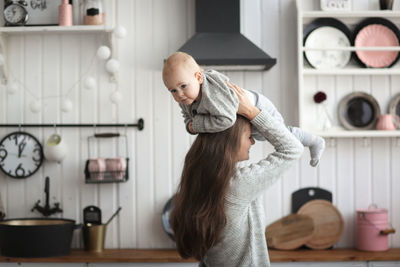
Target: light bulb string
x,y
25,88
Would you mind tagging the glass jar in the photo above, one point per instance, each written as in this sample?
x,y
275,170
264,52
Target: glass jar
x,y
93,12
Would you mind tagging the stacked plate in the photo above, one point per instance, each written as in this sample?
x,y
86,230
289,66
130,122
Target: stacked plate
x,y
331,33
358,111
376,32
165,219
394,109
326,33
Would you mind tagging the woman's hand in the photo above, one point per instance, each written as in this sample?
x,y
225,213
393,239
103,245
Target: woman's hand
x,y
246,108
191,127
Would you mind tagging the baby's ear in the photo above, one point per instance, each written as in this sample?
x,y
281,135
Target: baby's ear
x,y
199,77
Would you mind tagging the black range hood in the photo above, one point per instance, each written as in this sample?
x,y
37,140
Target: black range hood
x,y
218,43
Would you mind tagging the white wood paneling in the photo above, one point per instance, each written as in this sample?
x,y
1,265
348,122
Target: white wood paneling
x,y
16,200
357,171
145,144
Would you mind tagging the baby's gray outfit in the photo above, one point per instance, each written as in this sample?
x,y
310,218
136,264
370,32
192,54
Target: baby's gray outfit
x,y
216,111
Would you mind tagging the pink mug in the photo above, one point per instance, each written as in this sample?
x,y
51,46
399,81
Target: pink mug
x,y
117,167
97,167
385,122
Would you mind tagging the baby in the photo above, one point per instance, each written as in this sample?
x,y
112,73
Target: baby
x,y
209,105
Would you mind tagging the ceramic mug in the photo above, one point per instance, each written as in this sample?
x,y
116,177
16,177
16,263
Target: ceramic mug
x,y
117,167
55,148
385,122
97,168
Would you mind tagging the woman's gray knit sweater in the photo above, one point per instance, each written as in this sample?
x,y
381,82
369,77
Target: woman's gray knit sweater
x,y
243,240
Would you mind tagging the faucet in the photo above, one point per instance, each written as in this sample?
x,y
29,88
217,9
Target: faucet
x,y
46,210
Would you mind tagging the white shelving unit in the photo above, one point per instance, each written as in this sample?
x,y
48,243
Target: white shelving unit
x,y
337,83
77,28
17,30
52,29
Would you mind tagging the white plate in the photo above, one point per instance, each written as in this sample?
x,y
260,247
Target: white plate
x,y
327,37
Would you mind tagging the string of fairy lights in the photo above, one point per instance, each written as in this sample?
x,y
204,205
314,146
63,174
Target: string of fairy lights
x,y
104,53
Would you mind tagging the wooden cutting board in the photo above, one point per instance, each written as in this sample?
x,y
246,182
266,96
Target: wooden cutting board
x,y
289,232
303,195
328,223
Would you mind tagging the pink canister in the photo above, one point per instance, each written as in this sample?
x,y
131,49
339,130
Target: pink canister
x,y
373,229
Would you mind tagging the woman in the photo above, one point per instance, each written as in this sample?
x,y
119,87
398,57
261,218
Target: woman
x,y
217,216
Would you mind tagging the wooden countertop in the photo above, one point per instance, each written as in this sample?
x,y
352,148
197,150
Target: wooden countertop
x,y
167,255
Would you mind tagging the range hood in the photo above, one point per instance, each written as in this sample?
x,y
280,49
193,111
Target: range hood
x,y
218,43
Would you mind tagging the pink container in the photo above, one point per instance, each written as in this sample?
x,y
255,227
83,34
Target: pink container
x,y
372,229
385,122
97,168
117,167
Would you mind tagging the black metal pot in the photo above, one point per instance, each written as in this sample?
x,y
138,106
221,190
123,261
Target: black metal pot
x,y
36,237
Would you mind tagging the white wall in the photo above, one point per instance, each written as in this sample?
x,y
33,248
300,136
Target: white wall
x,y
357,171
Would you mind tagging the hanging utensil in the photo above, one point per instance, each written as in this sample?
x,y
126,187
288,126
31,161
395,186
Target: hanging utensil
x,y
112,217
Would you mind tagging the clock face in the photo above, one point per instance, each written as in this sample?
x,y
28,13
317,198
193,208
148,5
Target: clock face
x,y
21,155
15,14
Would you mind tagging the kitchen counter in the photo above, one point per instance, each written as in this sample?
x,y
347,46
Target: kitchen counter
x,y
167,255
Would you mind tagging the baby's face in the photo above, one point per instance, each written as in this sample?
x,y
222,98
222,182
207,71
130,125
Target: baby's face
x,y
184,85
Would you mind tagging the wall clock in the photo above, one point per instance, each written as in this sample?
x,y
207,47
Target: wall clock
x,y
21,155
15,13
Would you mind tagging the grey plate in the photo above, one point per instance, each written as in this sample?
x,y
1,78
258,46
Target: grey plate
x,y
394,109
165,219
358,111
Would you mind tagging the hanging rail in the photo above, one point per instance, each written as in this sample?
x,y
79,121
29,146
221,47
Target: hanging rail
x,y
139,124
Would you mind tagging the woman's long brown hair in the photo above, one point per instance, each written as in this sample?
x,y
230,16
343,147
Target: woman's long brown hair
x,y
198,214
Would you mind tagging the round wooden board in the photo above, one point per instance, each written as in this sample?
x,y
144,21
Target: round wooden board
x,y
289,232
328,223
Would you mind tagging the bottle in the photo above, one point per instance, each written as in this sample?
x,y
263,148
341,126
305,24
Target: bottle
x,y
93,11
65,13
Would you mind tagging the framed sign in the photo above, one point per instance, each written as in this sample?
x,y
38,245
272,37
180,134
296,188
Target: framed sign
x,y
42,12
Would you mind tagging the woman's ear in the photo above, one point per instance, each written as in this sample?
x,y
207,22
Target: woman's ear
x,y
199,77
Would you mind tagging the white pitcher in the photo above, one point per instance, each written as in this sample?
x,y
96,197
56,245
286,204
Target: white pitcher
x,y
55,148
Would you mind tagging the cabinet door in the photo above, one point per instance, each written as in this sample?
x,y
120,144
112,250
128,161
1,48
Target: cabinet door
x,y
319,264
384,264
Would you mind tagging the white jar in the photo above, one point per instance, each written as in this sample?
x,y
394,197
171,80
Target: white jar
x,y
93,12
